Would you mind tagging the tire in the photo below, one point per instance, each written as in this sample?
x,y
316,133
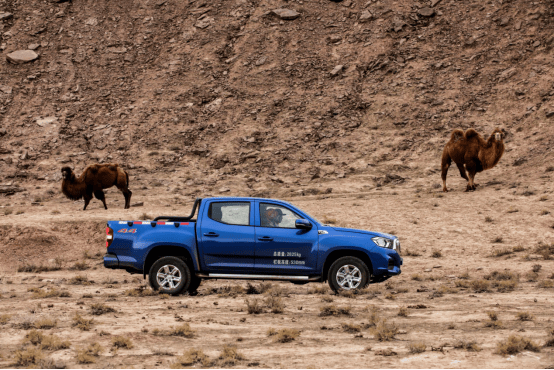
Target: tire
x,y
194,284
348,273
173,267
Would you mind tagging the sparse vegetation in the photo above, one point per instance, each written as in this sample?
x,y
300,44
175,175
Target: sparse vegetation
x,y
384,331
436,254
79,280
545,284
318,289
285,335
417,277
82,323
254,306
192,357
480,286
38,268
100,309
40,293
403,312
525,316
29,356
120,341
145,216
229,356
351,328
45,323
468,345
515,344
275,304
4,319
80,266
498,239
417,347
332,310
141,291
411,253
183,331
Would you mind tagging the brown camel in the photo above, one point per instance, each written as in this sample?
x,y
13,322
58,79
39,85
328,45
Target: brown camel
x,y
93,180
471,150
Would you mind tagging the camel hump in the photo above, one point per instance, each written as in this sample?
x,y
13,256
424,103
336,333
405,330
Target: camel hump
x,y
93,168
112,167
456,135
470,133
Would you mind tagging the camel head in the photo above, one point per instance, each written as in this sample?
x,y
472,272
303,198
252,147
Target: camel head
x,y
498,134
67,173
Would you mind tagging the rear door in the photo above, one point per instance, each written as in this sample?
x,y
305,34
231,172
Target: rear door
x,y
280,246
227,238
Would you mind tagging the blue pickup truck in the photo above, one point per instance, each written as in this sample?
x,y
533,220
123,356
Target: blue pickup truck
x,y
249,238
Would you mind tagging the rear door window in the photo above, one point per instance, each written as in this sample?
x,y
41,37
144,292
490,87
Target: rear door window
x,y
230,213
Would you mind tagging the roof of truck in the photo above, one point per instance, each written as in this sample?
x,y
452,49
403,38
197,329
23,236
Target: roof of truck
x,y
243,199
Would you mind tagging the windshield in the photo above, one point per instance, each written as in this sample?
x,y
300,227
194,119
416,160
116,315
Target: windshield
x,y
309,215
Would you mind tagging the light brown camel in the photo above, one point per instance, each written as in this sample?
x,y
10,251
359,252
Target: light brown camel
x,y
471,150
93,180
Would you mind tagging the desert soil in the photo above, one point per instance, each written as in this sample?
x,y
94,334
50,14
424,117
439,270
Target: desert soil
x,y
342,108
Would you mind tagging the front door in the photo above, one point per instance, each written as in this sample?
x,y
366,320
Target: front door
x,y
227,239
281,248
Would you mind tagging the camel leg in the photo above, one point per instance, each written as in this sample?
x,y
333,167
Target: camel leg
x,y
88,197
99,194
462,171
127,194
471,170
445,164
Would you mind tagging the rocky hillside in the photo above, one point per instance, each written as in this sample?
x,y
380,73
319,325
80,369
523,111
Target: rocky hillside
x,y
277,98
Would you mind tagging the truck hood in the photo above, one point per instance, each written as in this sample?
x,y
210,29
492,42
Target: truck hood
x,y
365,232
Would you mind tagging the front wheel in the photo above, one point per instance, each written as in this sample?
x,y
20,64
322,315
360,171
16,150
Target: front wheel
x,y
348,273
169,275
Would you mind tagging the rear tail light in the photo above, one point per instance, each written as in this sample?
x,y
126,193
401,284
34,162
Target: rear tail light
x,y
109,236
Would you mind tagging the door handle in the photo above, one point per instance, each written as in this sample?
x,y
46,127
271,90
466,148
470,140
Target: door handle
x,y
266,238
211,233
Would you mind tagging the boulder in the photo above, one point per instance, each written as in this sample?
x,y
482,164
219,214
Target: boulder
x,y
286,14
5,16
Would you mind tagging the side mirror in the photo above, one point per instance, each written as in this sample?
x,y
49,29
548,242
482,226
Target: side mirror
x,y
303,224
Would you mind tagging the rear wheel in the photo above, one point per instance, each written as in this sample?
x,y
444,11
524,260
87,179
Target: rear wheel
x,y
170,275
348,273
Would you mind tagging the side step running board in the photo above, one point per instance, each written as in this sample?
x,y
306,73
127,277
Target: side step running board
x,y
259,277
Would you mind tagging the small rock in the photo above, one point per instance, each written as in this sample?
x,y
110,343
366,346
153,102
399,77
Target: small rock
x,y
91,21
261,61
6,89
214,105
437,267
335,38
536,44
550,113
504,75
517,25
5,16
426,12
402,332
46,121
22,56
117,49
337,70
286,14
347,3
504,22
137,204
224,190
204,22
366,16
427,270
3,131
33,46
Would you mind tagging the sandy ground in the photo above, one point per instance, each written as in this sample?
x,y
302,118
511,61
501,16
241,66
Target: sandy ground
x,y
442,307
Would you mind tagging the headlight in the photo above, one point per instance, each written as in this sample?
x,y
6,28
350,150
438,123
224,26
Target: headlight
x,y
382,242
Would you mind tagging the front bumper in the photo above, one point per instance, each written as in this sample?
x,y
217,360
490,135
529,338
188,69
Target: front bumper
x,y
111,261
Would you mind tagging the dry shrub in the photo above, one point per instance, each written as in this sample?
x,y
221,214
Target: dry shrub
x,y
350,328
82,323
384,331
84,358
192,357
229,356
532,276
417,347
386,352
80,266
271,332
120,341
254,306
40,268
537,268
86,355
45,323
286,335
327,299
462,284
229,291
40,293
525,316
505,286
403,312
515,344
100,309
545,250
260,289
54,343
277,291
546,284
495,324
4,318
34,337
417,277
28,357
322,289
332,310
468,345
444,289
518,248
79,280
275,304
480,286
141,291
411,253
436,254
501,252
183,331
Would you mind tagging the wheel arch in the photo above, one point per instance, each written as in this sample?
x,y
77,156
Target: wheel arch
x,y
336,254
167,251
